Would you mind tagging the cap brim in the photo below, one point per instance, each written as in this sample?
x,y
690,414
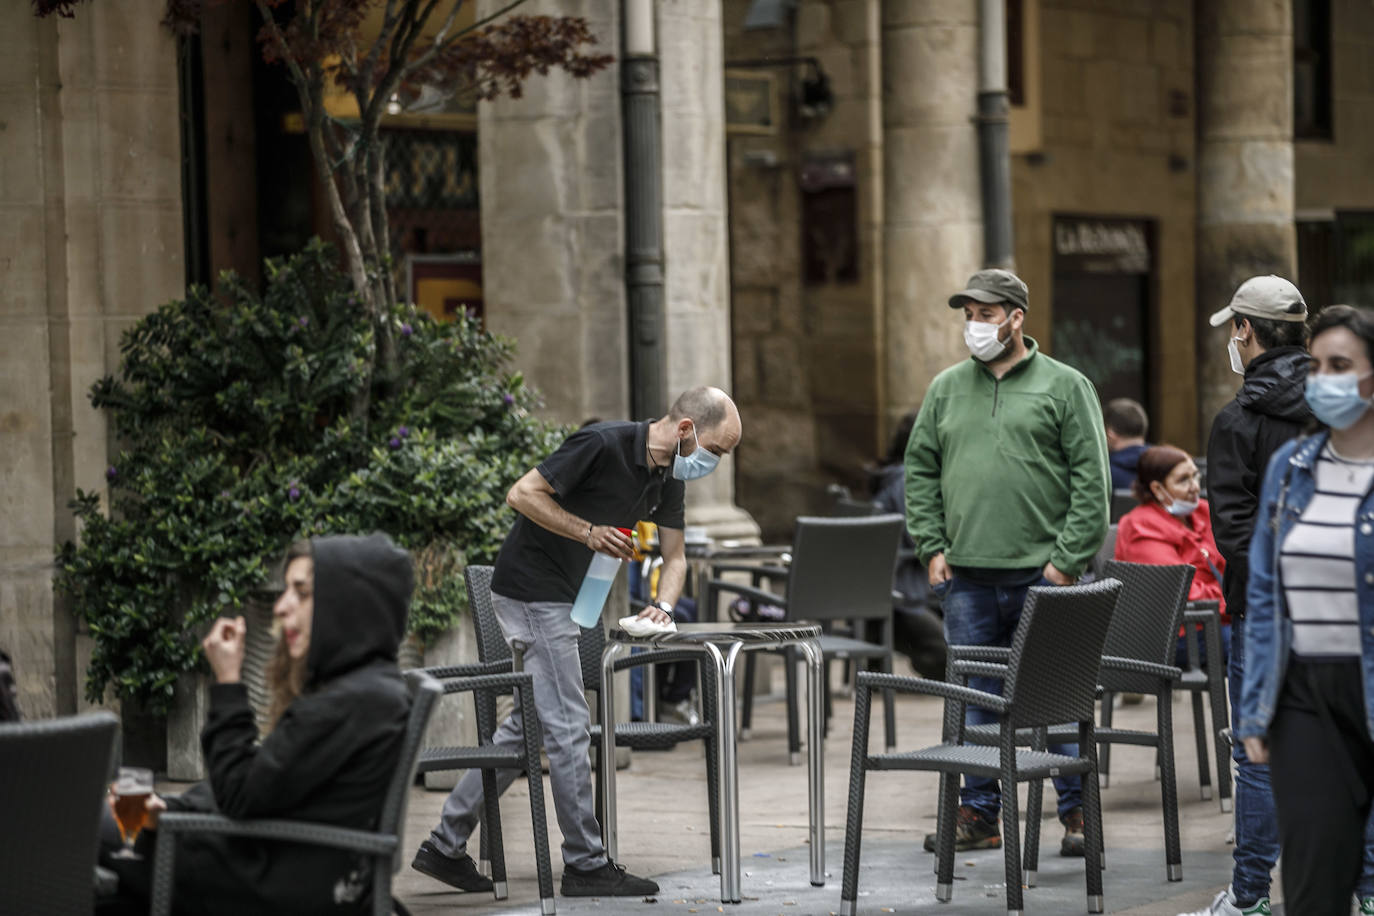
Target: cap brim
x,y
977,295
1221,317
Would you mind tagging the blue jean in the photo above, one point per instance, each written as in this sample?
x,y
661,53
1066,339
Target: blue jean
x,y
1257,822
983,615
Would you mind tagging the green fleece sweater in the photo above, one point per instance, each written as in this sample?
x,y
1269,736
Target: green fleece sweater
x,y
1009,473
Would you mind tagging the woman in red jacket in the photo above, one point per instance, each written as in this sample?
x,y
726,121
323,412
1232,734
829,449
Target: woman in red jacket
x,y
1173,524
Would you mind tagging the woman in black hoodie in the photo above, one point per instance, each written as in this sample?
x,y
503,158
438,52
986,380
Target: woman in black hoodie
x,y
337,722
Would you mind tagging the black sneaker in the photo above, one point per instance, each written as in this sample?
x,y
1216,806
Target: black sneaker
x,y
971,831
1072,844
610,880
461,872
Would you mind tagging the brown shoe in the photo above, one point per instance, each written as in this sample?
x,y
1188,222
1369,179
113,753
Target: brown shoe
x,y
971,831
1072,844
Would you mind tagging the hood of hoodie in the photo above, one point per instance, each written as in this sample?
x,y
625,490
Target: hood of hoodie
x,y
1274,383
362,598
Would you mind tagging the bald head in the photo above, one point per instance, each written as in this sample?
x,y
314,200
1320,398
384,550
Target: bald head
x,y
712,414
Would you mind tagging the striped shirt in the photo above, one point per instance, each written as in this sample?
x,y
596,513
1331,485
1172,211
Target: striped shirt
x,y
1317,562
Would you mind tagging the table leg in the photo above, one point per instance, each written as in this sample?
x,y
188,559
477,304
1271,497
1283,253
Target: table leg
x,y
815,758
606,755
724,665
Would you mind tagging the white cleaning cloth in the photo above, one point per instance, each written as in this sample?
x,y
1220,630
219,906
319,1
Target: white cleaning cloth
x,y
643,626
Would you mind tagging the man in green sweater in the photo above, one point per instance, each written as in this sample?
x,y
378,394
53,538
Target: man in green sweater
x,y
1007,486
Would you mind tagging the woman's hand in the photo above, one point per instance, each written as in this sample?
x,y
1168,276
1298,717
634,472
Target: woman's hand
x,y
224,649
1256,749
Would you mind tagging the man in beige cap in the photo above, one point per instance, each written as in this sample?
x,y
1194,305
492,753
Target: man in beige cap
x,y
1268,346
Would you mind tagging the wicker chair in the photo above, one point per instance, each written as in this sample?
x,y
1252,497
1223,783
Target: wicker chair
x,y
1138,657
493,650
1209,681
840,574
55,775
1050,678
382,845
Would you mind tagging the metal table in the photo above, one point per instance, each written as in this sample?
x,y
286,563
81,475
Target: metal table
x,y
722,643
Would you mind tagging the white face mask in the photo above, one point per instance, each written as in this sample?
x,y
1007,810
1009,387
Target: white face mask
x,y
981,339
1237,365
1182,508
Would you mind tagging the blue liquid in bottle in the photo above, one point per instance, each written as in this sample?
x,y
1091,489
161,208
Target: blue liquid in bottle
x,y
596,585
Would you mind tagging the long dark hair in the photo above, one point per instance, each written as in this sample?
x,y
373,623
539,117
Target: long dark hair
x,y
1156,463
286,675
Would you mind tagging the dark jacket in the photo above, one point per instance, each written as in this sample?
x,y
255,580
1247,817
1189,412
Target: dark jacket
x,y
328,759
1268,410
1124,463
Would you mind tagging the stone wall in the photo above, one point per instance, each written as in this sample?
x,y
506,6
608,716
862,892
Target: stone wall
x,y
90,202
1116,112
1335,174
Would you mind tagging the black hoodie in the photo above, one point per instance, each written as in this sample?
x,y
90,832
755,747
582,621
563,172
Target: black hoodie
x,y
1269,409
328,759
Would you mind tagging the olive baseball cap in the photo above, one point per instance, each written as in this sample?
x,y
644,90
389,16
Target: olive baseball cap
x,y
993,286
1268,297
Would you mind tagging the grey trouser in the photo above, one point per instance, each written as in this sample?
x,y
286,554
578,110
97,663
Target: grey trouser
x,y
551,657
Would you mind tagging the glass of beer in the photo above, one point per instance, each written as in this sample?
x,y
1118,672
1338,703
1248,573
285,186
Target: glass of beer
x,y
131,793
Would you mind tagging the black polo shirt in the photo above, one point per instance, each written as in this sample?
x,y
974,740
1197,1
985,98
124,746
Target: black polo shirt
x,y
600,473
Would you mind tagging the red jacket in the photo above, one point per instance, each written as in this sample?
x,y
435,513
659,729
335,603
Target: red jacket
x,y
1149,534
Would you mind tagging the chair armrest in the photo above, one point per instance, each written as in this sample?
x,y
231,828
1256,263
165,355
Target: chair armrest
x,y
1203,604
172,823
901,684
510,680
754,552
656,657
746,591
978,669
755,569
1134,666
998,654
440,672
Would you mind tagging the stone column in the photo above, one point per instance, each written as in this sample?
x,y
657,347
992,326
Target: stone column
x,y
1245,169
90,202
932,227
553,262
697,294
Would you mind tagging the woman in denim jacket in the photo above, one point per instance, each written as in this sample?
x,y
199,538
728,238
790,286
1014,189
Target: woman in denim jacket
x,y
1307,703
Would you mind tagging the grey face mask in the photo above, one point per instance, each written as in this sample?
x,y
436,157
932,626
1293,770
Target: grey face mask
x,y
698,464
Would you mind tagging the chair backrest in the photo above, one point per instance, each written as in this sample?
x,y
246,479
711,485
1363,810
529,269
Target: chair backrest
x,y
1149,611
842,567
848,507
53,777
590,644
424,693
491,643
1104,553
1123,501
1056,653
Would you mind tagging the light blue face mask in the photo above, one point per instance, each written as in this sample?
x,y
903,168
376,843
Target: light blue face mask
x,y
698,464
1335,399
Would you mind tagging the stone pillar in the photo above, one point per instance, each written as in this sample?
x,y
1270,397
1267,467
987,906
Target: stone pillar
x,y
90,202
553,254
697,294
1245,183
933,228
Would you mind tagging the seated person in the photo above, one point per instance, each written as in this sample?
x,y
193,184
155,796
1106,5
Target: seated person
x,y
337,721
1173,524
918,632
1126,425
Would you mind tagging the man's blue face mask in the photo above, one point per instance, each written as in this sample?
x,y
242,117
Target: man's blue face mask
x,y
698,464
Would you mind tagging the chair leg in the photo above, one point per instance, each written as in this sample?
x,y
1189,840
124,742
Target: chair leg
x,y
713,802
793,723
491,825
1204,763
854,817
946,820
538,818
746,713
1092,821
1216,688
1168,785
1104,751
1011,832
483,844
829,696
1035,797
889,711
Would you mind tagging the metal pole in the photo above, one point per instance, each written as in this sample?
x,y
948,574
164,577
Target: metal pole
x,y
643,211
994,147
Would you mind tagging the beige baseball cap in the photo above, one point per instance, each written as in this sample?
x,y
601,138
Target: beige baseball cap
x,y
1268,297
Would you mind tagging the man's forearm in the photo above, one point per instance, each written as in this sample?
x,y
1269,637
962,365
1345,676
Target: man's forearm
x,y
541,509
671,576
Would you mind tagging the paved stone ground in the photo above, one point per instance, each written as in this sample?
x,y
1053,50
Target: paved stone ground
x,y
663,833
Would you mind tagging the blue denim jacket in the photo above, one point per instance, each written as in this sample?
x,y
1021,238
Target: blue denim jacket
x,y
1288,487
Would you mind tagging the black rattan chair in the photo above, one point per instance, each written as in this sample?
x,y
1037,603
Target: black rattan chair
x,y
1208,681
840,573
382,846
55,773
1137,657
492,649
1050,678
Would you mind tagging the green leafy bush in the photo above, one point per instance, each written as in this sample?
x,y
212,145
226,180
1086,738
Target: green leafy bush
x,y
248,421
